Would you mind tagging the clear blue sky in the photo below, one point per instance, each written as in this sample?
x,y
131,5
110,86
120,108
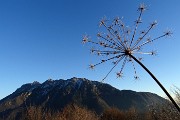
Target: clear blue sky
x,y
41,39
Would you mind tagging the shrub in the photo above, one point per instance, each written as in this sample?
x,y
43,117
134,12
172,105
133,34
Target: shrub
x,y
165,111
116,114
70,112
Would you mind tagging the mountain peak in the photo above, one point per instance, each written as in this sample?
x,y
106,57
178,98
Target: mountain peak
x,y
56,94
35,83
78,79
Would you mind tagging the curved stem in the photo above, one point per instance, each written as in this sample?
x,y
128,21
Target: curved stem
x,y
156,80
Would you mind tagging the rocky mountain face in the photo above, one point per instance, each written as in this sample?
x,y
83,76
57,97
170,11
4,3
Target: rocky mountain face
x,y
56,94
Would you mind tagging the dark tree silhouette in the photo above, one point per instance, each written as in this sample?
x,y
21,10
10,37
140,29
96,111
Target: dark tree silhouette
x,y
120,44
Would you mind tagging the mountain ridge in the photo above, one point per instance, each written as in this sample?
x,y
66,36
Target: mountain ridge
x,y
56,94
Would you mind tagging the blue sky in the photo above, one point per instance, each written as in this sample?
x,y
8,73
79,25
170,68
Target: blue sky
x,y
41,39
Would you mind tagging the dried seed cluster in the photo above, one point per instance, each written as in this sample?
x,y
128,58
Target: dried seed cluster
x,y
120,41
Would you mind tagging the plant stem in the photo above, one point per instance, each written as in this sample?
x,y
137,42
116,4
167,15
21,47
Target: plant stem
x,y
162,87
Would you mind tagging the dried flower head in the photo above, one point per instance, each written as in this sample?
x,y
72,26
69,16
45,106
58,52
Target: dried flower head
x,y
142,7
120,43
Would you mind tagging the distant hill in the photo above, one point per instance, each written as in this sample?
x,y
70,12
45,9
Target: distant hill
x,y
56,94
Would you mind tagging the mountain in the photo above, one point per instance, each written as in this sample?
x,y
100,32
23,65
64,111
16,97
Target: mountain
x,y
56,94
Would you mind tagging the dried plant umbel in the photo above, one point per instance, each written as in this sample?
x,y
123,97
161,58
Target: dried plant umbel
x,y
121,43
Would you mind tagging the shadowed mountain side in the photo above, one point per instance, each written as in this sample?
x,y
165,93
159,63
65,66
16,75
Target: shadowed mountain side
x,y
56,94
